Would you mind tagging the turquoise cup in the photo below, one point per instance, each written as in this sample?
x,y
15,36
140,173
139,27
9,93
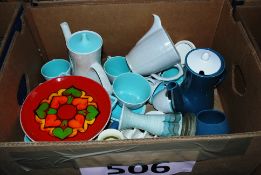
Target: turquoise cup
x,y
56,68
115,66
132,90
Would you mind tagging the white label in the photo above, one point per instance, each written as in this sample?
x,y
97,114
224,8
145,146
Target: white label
x,y
152,169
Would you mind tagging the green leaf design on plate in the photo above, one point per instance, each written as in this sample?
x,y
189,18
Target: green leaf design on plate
x,y
62,134
70,99
72,91
41,110
83,112
64,123
51,111
92,112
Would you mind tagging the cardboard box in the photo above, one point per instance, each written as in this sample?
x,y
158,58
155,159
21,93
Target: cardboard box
x,y
9,20
121,23
249,15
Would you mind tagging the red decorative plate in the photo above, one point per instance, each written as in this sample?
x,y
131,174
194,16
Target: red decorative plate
x,y
70,108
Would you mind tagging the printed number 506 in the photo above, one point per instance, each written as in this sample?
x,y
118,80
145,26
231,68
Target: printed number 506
x,y
139,169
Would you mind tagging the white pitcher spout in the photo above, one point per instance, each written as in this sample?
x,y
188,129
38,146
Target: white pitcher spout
x,y
66,30
154,28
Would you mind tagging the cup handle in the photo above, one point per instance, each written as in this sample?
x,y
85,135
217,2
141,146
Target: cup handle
x,y
102,76
171,78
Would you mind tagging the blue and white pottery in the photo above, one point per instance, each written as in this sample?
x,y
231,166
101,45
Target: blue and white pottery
x,y
204,70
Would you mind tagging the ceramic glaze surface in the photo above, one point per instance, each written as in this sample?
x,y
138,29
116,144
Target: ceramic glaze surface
x,y
116,112
184,47
68,108
211,122
110,134
84,42
154,52
203,61
157,124
131,89
196,92
56,68
172,72
115,66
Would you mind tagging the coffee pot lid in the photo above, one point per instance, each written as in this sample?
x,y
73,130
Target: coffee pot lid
x,y
203,61
84,42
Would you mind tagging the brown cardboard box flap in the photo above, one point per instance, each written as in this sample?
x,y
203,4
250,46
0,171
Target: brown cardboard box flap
x,y
249,15
83,154
9,16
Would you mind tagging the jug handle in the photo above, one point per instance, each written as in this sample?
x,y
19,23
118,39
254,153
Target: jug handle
x,y
66,31
102,76
170,78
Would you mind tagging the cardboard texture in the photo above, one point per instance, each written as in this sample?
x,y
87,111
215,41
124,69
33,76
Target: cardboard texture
x,y
9,13
249,15
121,24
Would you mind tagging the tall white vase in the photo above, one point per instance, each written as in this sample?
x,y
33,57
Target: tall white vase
x,y
158,124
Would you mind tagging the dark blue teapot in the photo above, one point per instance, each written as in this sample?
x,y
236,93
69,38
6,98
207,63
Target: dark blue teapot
x,y
204,70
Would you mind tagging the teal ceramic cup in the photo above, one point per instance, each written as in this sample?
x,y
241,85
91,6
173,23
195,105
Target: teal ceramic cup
x,y
115,66
56,68
131,89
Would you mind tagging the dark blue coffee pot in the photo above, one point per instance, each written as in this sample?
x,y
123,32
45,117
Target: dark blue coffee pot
x,y
203,71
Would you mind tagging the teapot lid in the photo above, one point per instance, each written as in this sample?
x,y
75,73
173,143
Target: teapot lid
x,y
204,61
84,42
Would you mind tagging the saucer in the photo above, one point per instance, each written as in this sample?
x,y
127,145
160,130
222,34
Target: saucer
x,y
116,113
184,47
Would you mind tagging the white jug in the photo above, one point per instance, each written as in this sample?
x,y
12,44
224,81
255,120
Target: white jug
x,y
154,52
